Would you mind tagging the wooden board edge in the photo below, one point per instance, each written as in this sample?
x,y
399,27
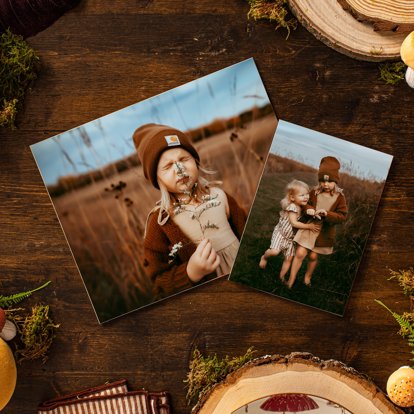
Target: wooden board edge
x,y
331,367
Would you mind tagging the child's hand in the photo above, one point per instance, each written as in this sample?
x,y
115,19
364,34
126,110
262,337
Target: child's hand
x,y
310,212
203,261
314,227
313,213
322,212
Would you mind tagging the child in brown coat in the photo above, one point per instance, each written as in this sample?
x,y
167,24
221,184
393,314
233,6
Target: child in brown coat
x,y
327,204
193,233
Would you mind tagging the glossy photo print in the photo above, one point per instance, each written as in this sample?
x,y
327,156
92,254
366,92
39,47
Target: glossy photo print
x,y
311,217
153,198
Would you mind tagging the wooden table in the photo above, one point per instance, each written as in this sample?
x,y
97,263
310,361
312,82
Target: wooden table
x,y
106,55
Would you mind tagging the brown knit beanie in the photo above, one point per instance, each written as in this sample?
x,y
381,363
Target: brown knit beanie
x,y
329,169
151,140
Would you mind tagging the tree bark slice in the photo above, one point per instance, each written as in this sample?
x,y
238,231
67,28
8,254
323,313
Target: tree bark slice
x,y
296,373
338,29
384,15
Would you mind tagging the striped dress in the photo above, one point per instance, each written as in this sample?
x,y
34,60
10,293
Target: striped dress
x,y
282,237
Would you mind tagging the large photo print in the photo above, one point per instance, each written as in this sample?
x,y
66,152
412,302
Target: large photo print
x,y
153,198
311,217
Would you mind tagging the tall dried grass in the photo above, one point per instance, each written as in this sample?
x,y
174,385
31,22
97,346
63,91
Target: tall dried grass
x,y
104,212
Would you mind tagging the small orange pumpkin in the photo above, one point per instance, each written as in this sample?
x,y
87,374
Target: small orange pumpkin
x,y
7,374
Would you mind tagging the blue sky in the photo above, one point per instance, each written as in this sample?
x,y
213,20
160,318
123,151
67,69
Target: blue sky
x,y
100,142
308,147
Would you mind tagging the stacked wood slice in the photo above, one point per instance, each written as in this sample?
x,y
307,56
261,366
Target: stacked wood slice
x,y
337,28
384,15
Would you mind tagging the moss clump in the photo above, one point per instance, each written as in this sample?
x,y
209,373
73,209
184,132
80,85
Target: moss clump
x,y
18,67
8,113
392,73
205,371
36,331
405,279
276,11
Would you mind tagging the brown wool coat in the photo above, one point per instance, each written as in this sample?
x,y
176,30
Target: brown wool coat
x,y
169,278
336,215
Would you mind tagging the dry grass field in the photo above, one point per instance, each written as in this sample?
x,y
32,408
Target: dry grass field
x,y
104,221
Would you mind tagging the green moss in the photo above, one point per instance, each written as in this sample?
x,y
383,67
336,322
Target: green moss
x,y
36,332
205,371
276,11
392,73
405,279
18,68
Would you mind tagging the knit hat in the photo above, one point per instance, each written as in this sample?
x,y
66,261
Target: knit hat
x,y
329,169
151,140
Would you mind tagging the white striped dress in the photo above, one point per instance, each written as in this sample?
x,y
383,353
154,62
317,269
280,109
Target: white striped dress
x,y
282,237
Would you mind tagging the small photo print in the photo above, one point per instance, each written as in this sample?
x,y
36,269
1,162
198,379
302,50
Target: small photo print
x,y
311,217
153,198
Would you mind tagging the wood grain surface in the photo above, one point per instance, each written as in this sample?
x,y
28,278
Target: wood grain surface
x,y
105,55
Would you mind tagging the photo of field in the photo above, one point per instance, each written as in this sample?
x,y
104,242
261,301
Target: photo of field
x,y
295,154
99,193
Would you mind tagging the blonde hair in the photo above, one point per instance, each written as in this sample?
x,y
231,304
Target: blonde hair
x,y
292,189
167,201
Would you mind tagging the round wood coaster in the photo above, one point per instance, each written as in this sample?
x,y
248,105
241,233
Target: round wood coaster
x,y
295,375
338,29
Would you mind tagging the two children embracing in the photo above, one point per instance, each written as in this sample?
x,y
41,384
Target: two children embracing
x,y
307,222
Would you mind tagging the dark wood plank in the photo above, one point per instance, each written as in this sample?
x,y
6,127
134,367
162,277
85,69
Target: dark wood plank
x,y
105,55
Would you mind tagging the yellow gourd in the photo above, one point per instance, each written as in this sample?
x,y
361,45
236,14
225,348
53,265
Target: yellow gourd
x,y
400,387
8,374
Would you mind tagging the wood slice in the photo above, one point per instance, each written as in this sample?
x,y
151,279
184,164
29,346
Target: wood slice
x,y
384,15
294,374
331,24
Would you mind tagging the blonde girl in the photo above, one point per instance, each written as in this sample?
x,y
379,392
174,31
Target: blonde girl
x,y
296,197
193,233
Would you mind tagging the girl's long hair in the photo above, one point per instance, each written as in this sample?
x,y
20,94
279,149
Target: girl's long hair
x,y
291,189
167,201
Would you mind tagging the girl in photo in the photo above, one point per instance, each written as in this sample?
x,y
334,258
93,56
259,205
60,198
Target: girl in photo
x,y
193,232
327,203
296,197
